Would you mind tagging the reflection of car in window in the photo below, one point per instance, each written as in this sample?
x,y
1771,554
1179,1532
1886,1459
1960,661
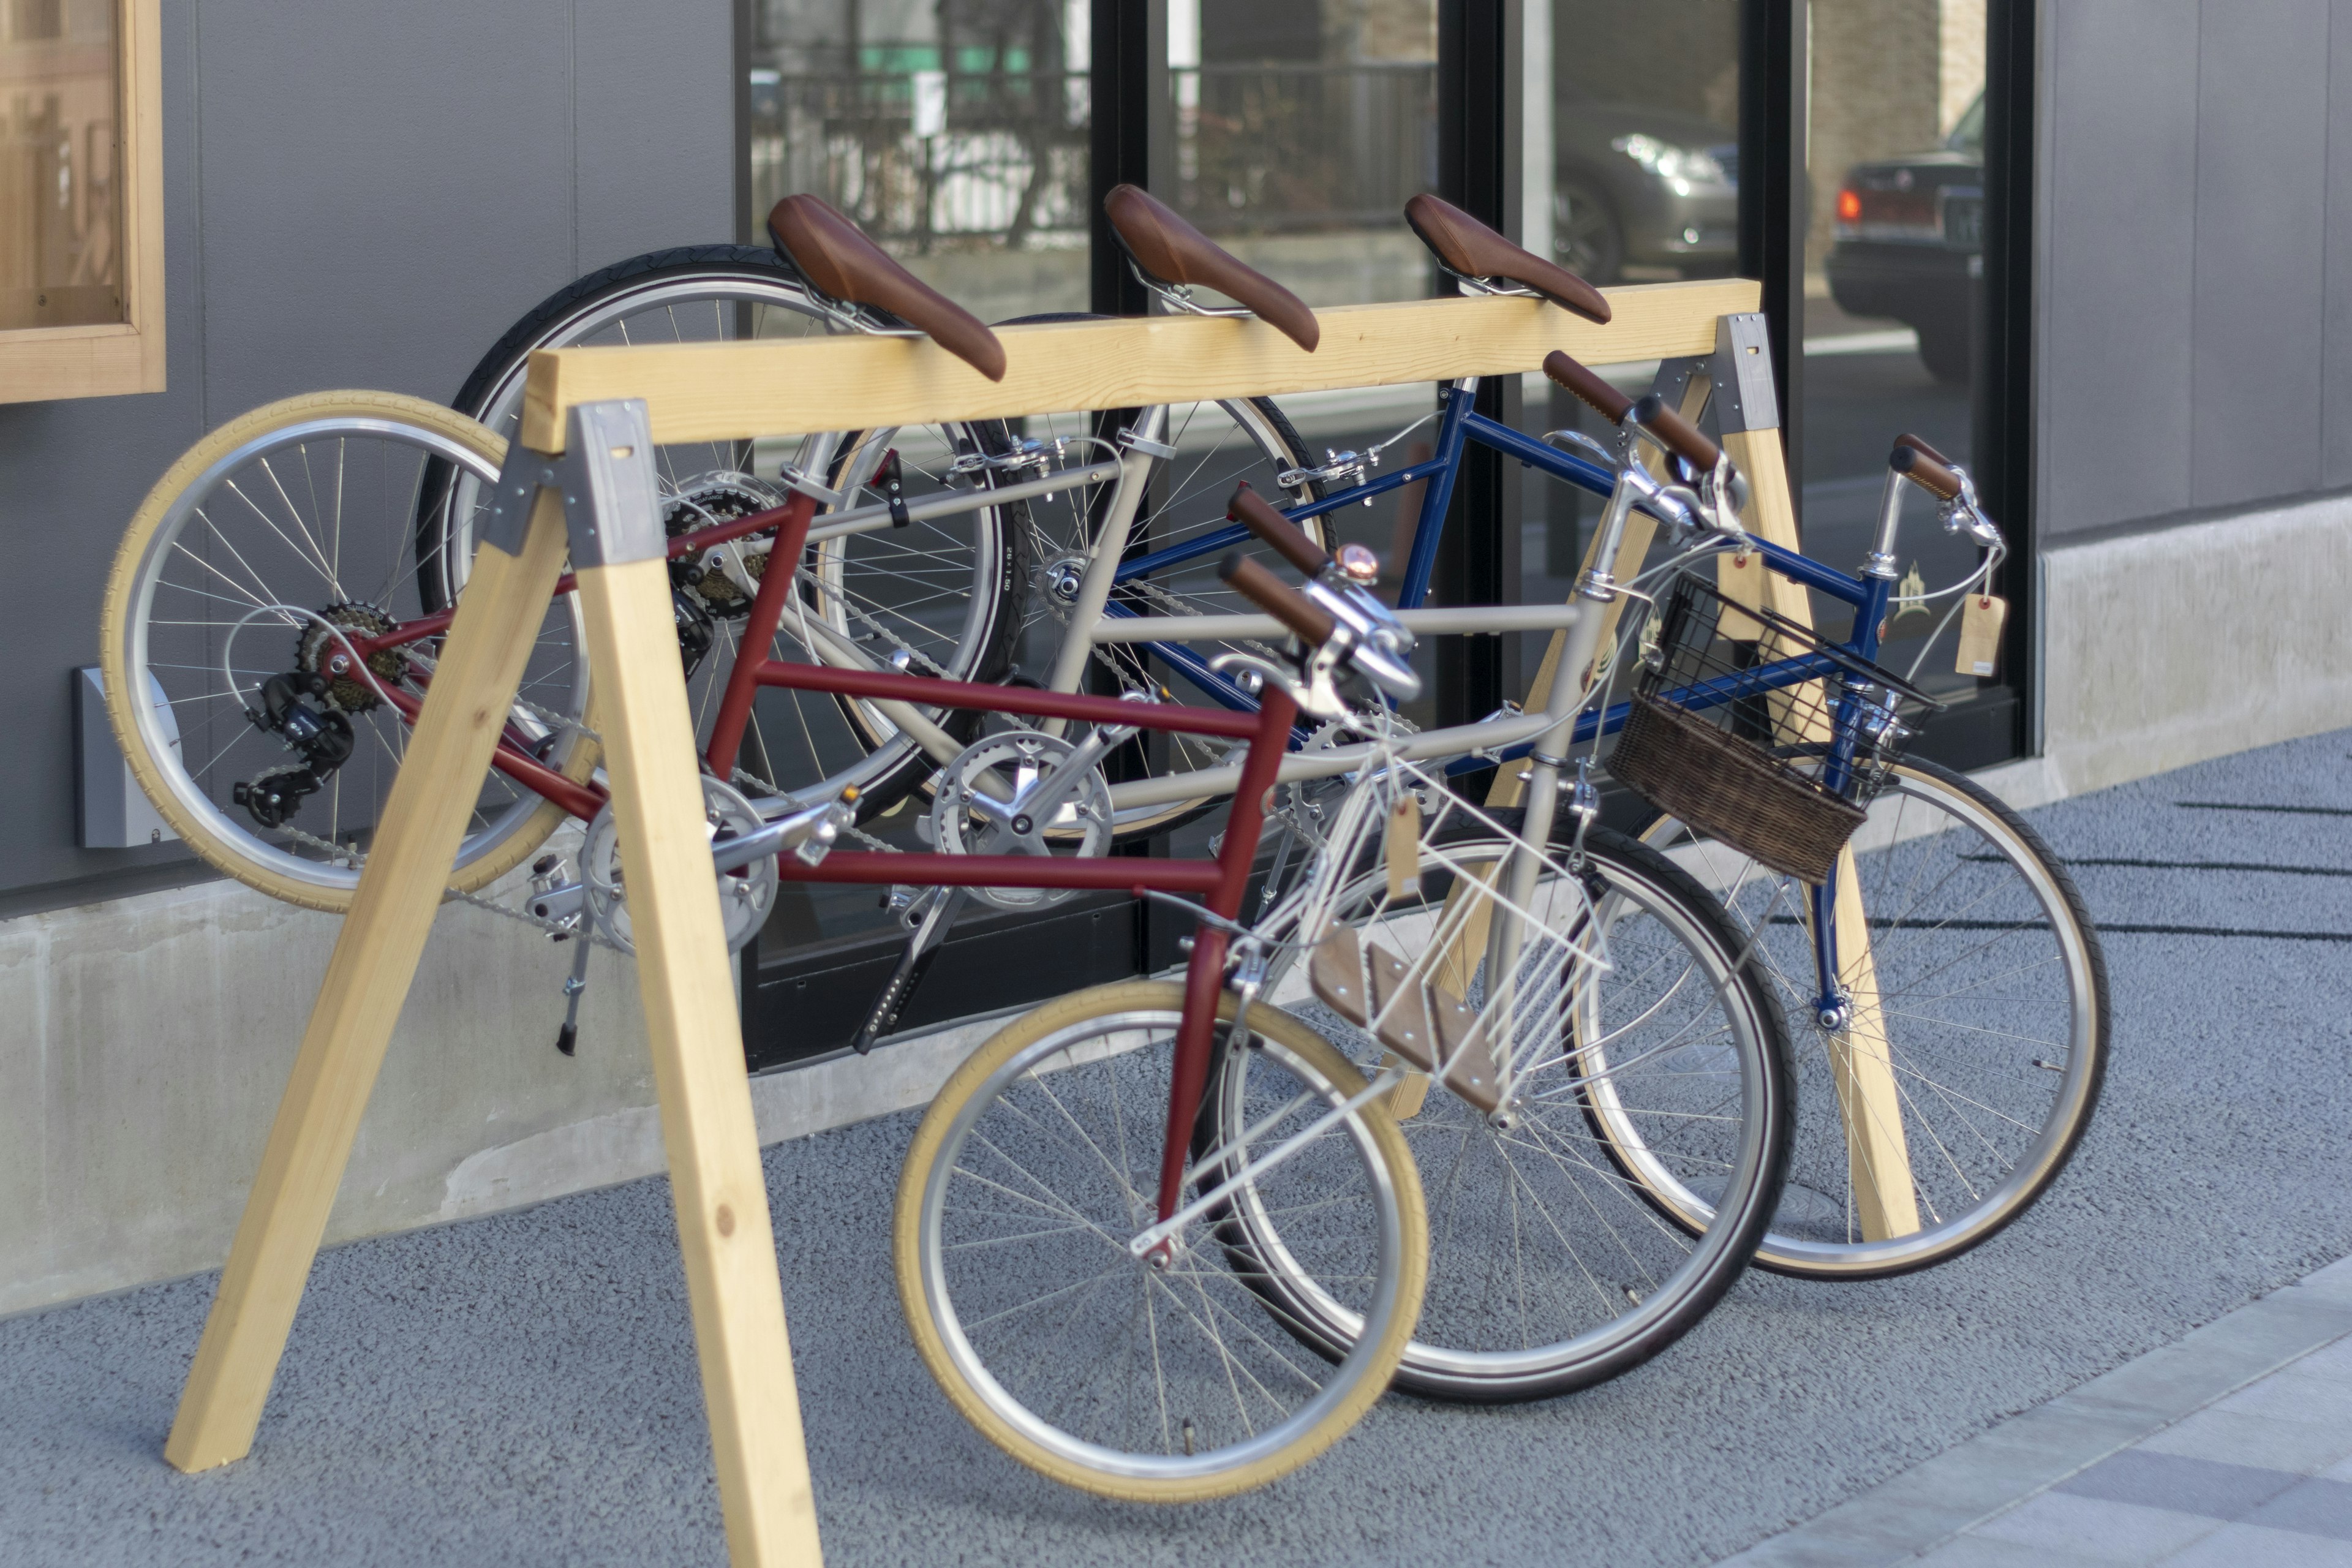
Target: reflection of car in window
x,y
1910,243
1643,187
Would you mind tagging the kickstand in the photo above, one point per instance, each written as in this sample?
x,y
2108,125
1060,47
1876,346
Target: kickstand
x,y
567,1039
921,948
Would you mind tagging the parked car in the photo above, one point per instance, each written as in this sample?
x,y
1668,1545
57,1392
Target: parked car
x,y
1910,244
1644,187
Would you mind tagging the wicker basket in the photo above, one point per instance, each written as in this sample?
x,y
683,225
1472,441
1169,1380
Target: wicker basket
x,y
1740,769
1731,789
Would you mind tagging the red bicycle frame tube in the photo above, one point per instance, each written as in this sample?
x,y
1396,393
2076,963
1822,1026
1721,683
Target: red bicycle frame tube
x,y
581,800
767,612
1221,882
425,626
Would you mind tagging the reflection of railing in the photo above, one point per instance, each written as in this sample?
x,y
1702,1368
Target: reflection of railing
x,y
1261,148
1010,164
1257,149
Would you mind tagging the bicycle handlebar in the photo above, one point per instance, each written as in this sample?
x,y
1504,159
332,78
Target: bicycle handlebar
x,y
1589,389
1277,598
1925,471
1677,435
1920,444
1287,538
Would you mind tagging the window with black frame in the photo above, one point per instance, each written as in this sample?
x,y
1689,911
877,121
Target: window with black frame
x,y
1892,296
970,138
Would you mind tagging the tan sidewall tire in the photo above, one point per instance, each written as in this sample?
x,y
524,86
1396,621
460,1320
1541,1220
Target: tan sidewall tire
x,y
1152,996
113,626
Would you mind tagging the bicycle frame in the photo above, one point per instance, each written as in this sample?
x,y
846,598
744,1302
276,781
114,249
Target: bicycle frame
x,y
1459,426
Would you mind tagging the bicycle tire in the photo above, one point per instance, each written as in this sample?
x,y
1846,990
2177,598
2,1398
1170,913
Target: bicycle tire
x,y
1950,1227
889,765
1477,1275
1000,1398
194,807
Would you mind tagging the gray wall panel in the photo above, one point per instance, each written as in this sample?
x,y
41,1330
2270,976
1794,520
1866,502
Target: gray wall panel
x,y
2336,363
2115,365
663,173
354,196
359,221
2262,172
2196,284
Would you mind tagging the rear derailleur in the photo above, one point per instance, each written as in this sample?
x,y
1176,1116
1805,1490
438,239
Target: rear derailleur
x,y
293,708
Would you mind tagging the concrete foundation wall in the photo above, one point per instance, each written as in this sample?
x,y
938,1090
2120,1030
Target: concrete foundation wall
x,y
2162,649
149,1038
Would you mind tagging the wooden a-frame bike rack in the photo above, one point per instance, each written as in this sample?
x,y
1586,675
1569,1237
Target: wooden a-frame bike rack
x,y
579,482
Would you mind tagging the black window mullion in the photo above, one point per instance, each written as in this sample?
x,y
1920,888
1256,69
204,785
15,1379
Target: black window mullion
x,y
1477,171
1772,197
2004,413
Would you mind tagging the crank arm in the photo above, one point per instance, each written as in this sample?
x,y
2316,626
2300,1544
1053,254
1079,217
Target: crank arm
x,y
899,989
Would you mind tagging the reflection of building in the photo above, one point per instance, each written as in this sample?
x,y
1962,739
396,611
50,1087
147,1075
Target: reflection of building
x,y
59,264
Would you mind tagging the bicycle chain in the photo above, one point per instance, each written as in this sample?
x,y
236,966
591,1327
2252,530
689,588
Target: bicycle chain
x,y
552,927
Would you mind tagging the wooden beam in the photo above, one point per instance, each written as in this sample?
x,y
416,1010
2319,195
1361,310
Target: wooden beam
x,y
1869,1103
736,392
687,982
367,979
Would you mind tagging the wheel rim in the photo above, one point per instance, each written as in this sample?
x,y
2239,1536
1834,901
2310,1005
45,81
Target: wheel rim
x,y
1219,1311
1533,1232
862,587
281,554
1983,1143
1219,443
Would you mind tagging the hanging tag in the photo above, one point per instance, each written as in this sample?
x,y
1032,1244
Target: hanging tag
x,y
1401,847
1740,579
1981,619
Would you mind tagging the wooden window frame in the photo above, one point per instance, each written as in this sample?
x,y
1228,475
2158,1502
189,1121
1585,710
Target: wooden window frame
x,y
111,359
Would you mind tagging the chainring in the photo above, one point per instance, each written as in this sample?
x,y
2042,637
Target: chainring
x,y
746,893
1017,760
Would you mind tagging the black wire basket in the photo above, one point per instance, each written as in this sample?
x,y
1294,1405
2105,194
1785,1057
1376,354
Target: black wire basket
x,y
1708,742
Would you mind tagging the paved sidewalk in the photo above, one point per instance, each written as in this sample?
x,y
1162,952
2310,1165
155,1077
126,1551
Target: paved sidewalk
x,y
2232,1447
522,1389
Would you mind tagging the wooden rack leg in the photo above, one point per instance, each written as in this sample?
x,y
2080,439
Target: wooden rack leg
x,y
367,979
1869,1104
716,1180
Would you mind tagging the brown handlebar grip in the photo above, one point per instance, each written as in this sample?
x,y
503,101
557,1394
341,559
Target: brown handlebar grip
x,y
1920,444
1925,471
1678,435
1253,582
1288,540
1594,392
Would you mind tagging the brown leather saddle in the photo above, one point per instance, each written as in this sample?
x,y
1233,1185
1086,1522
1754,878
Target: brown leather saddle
x,y
1471,250
840,263
1173,253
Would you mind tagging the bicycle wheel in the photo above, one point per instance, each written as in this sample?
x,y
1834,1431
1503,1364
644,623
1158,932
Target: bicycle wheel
x,y
1219,445
1034,1166
1550,1268
239,566
1994,996
937,596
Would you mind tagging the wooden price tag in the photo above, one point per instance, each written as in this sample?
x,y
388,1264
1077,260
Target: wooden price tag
x,y
1402,846
1981,619
1740,579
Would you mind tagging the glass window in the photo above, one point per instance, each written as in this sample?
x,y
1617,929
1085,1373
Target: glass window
x,y
954,131
1300,130
60,146
1633,180
1893,283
